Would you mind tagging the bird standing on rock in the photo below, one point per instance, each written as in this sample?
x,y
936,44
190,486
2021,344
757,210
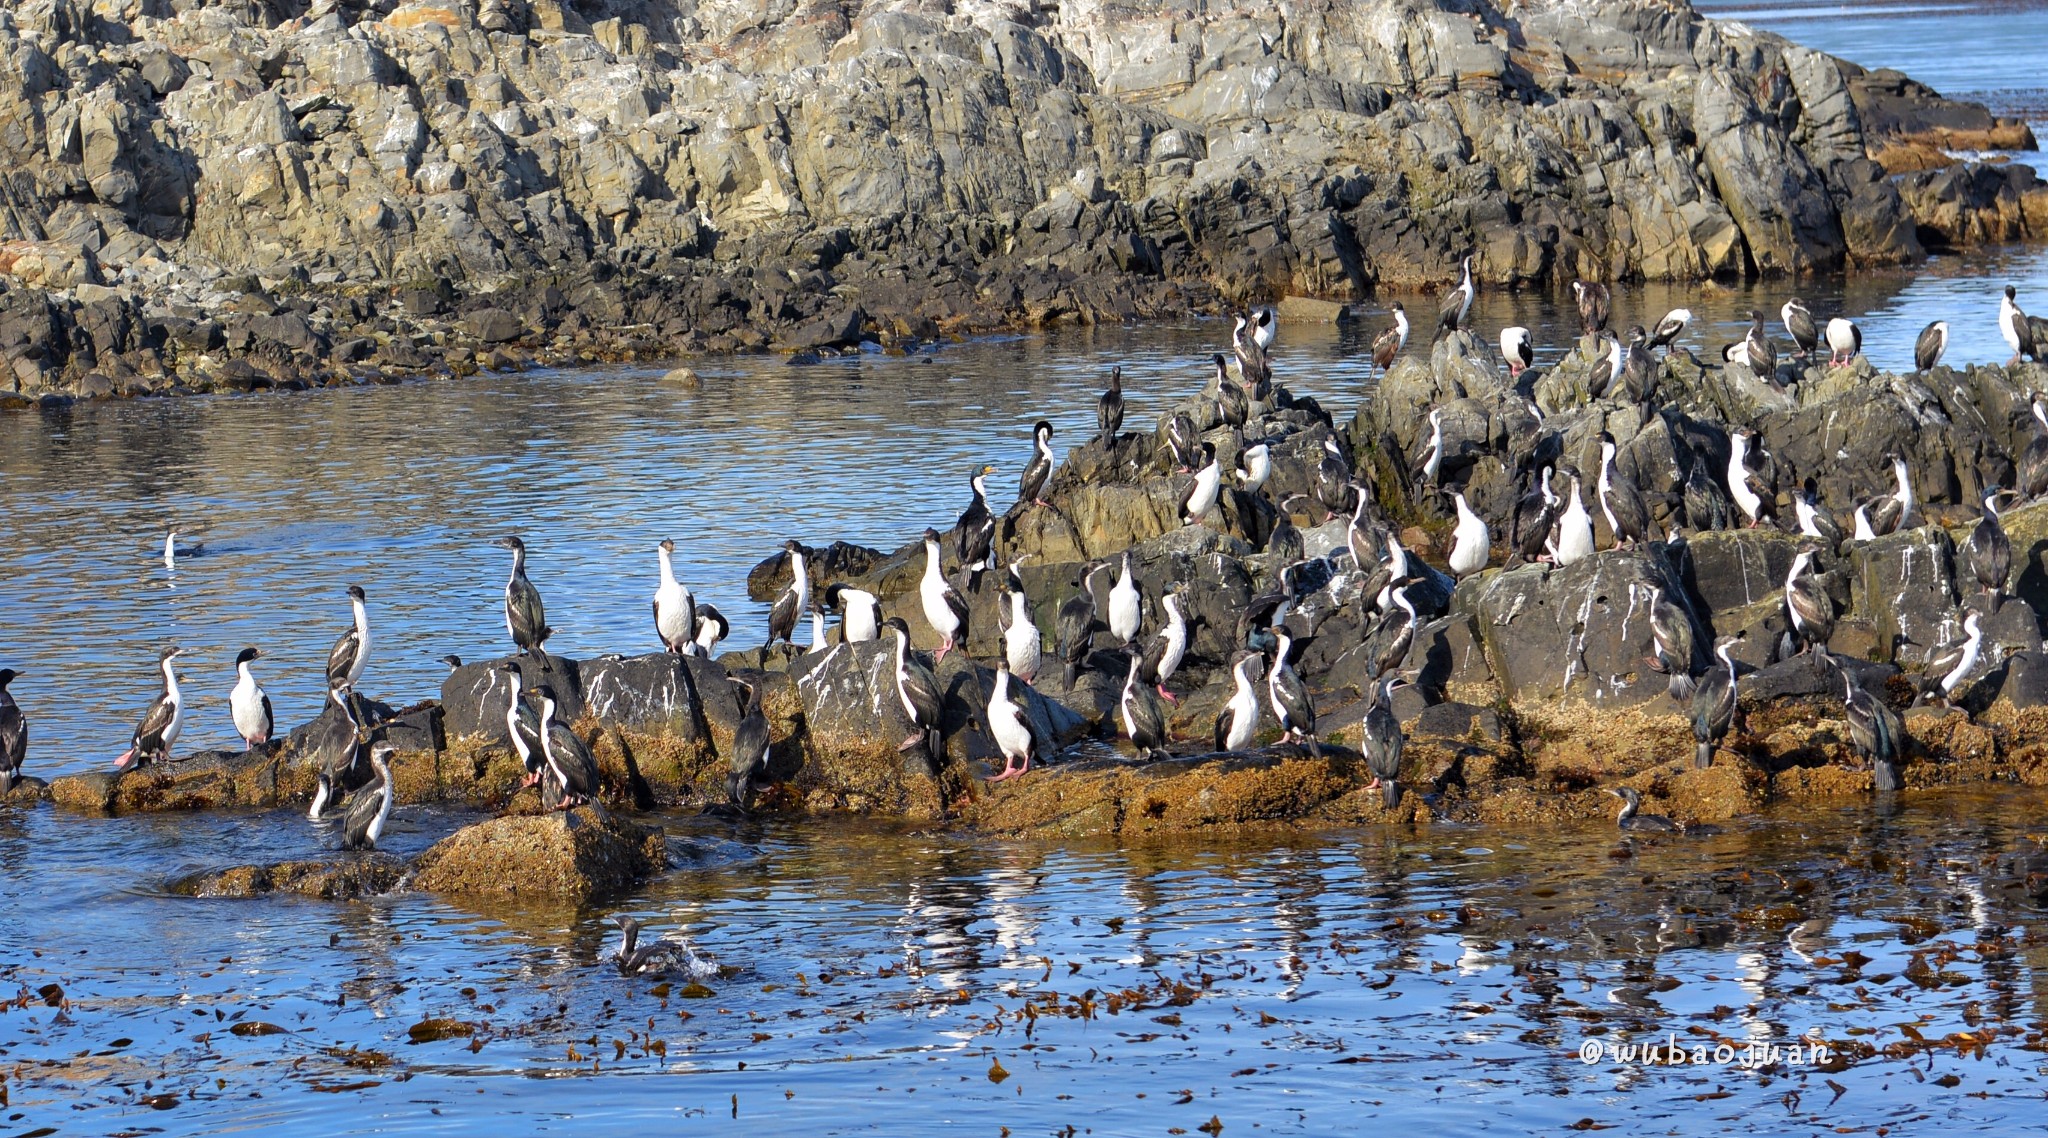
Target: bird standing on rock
x,y
1798,321
1037,472
860,612
1517,349
2015,327
1713,704
13,734
1009,727
522,726
792,601
1594,301
1574,526
1457,302
1740,488
917,692
249,704
158,732
1144,723
363,818
1183,441
1238,722
1169,645
1292,706
1952,661
1381,739
1471,541
1627,517
1126,605
1200,496
570,776
1109,408
977,529
750,743
944,609
1389,343
1670,640
1808,605
1875,731
1254,467
1022,643
1988,552
1845,339
1758,352
351,651
1075,623
1535,513
1930,346
1670,328
526,618
675,610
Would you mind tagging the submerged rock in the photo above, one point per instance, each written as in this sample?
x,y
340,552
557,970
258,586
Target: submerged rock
x,y
578,853
341,879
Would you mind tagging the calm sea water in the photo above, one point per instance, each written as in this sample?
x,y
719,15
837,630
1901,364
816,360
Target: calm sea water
x,y
1299,985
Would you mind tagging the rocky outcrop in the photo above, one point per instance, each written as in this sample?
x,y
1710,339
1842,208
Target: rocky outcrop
x,y
220,197
344,879
581,853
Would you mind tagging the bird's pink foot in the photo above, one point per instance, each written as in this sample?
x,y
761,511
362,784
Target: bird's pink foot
x,y
1166,695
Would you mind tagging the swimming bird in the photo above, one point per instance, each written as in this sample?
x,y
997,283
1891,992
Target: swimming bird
x,y
944,609
1254,467
1631,817
1169,645
172,551
1930,346
917,691
1183,441
1075,622
13,734
675,610
1008,726
1757,350
1746,496
1471,541
1109,408
1126,601
160,725
570,776
1845,339
1022,642
363,818
1144,724
1951,662
1670,640
351,651
1875,731
1293,708
526,619
1380,737
1670,328
1807,603
660,957
522,727
1988,552
860,612
1457,302
1627,517
750,743
1200,496
1238,722
1389,343
1517,349
2033,467
1037,472
248,704
976,529
711,628
1713,704
1594,301
2014,326
1799,325
791,602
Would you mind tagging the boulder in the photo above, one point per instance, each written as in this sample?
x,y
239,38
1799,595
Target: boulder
x,y
579,853
345,879
1580,632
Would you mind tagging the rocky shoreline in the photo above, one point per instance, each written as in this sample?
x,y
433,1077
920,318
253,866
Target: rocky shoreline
x,y
231,198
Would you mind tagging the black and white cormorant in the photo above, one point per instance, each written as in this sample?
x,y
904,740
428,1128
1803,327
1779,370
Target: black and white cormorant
x,y
1741,480
711,628
1517,349
13,734
347,765
1799,325
1390,650
1074,625
860,612
1628,518
2033,465
1713,704
1389,343
526,619
453,661
1233,405
1639,373
664,956
944,608
1953,660
1037,472
570,777
1126,605
1249,340
917,693
1631,816
1471,540
249,704
1931,345
1988,552
1109,409
1758,351
1574,524
1706,504
1816,520
1807,602
1009,726
795,598
160,725
1254,467
1670,328
1594,301
1876,732
1894,512
749,761
976,530
1169,646
351,652
1844,339
1200,496
173,551
2015,327
1380,737
1238,722
1183,441
675,610
1292,707
1144,723
1430,470
1535,513
1670,640
1450,312
1332,484
1022,642
522,726
363,818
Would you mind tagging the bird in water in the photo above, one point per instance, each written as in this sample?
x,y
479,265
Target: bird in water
x,y
675,610
750,743
1037,472
173,551
1930,346
860,612
944,609
1380,737
1471,541
976,529
1875,731
522,726
1713,704
1953,660
363,818
1631,816
1518,350
1535,514
526,619
1844,339
668,955
1292,706
792,601
2015,327
1126,605
1389,343
1238,722
249,704
711,628
1022,643
1109,408
1807,603
1008,726
13,734
1456,303
1200,496
1988,552
570,776
351,651
1254,466
1628,518
160,725
1144,724
1574,526
1169,646
1757,350
1075,623
1594,301
1799,324
917,692
1670,328
1670,640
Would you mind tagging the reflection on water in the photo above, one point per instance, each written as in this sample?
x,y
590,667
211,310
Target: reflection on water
x,y
401,489
875,976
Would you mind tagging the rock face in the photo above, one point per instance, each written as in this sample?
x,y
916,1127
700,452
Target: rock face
x,y
223,197
581,853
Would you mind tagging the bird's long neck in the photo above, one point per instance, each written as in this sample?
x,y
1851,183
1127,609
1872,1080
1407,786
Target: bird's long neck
x,y
514,677
1045,445
1002,687
1244,682
1401,326
171,682
362,620
518,563
979,482
243,673
800,578
668,572
931,560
